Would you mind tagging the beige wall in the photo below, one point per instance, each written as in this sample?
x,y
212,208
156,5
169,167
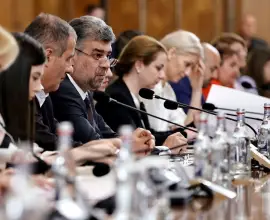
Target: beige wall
x,y
206,18
260,9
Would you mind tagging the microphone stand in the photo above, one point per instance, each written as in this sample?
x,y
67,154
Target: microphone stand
x,y
180,105
231,110
154,116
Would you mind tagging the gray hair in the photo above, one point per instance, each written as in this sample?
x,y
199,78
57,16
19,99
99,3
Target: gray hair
x,y
51,31
184,42
89,27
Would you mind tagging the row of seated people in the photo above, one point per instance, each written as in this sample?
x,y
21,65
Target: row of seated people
x,y
60,65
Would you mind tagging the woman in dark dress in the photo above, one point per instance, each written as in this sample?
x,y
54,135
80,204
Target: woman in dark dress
x,y
141,65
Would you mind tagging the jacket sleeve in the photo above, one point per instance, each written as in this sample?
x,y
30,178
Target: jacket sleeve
x,y
44,137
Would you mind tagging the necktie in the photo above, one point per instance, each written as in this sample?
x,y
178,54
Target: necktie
x,y
88,109
144,116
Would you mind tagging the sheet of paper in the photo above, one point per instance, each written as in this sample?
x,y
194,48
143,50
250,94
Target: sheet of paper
x,y
224,97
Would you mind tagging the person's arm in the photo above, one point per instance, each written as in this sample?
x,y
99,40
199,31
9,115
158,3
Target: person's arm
x,y
83,130
196,81
105,129
44,137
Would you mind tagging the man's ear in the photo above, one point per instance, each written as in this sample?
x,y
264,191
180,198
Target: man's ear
x,y
171,53
48,53
139,66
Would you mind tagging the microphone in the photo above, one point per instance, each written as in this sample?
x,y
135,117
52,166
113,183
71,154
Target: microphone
x,y
174,105
101,169
263,88
212,107
208,106
150,94
105,98
247,85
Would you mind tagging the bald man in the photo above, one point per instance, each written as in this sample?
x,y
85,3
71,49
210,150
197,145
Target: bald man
x,y
212,63
248,30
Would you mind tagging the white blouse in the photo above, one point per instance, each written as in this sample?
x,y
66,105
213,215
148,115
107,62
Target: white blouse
x,y
156,107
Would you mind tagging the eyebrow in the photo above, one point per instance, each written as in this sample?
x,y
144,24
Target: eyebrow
x,y
101,51
39,73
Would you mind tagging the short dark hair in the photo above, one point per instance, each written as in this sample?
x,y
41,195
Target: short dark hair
x,y
91,7
51,31
89,27
14,89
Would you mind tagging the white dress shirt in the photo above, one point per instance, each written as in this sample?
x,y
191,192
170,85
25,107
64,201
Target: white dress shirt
x,y
156,107
80,91
41,97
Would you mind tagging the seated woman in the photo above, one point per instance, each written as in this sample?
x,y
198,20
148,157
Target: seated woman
x,y
141,65
184,55
228,71
237,45
259,69
8,52
18,85
8,49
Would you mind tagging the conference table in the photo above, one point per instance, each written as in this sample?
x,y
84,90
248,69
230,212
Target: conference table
x,y
252,202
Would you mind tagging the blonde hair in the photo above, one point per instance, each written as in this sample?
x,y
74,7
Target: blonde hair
x,y
184,42
8,49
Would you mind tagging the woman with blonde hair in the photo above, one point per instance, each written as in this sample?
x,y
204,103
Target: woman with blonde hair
x,y
185,56
8,49
141,65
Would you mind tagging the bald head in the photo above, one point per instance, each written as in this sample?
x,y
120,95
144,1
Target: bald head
x,y
212,63
248,26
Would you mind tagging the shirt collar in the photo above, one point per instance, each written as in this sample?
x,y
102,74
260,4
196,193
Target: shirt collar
x,y
41,97
79,90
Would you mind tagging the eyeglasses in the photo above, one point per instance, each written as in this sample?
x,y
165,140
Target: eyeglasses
x,y
100,58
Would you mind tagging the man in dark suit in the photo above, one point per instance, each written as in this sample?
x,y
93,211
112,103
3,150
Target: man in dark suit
x,y
76,107
59,39
248,29
73,101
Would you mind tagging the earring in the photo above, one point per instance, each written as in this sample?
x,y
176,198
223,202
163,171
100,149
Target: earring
x,y
138,71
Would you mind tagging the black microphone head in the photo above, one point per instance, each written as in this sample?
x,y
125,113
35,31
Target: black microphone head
x,y
101,97
101,169
170,105
146,93
209,106
247,85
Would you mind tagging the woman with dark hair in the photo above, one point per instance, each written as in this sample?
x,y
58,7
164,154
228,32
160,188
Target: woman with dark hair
x,y
259,69
141,65
18,85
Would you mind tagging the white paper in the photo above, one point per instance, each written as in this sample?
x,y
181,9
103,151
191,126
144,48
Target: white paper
x,y
223,97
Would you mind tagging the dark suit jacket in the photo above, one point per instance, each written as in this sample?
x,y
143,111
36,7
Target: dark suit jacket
x,y
46,125
116,115
69,106
257,43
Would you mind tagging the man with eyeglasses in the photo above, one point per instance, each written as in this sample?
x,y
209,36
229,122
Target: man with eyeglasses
x,y
59,40
73,100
